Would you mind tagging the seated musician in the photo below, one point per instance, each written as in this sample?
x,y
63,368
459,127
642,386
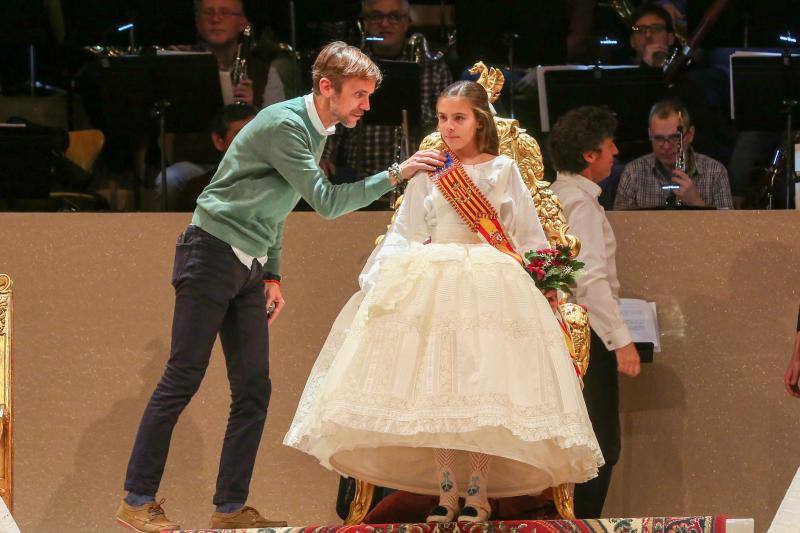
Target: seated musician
x,y
226,123
219,24
653,181
352,154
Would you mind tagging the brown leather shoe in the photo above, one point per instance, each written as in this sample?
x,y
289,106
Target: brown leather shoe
x,y
147,518
242,519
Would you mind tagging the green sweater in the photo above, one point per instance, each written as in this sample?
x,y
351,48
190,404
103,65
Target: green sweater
x,y
272,163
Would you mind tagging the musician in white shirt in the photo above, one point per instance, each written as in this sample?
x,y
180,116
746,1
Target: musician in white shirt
x,y
583,150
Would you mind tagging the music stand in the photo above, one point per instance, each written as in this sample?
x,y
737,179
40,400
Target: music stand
x,y
399,90
564,87
27,160
179,90
760,82
765,88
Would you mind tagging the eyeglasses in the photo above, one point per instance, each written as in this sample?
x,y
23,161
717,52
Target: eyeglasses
x,y
393,17
222,12
666,139
641,29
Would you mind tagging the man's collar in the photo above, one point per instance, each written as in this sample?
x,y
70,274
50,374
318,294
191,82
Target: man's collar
x,y
314,116
580,181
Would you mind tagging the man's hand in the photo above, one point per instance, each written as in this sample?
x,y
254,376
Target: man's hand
x,y
244,91
687,193
328,167
272,291
628,362
427,160
674,12
793,372
659,50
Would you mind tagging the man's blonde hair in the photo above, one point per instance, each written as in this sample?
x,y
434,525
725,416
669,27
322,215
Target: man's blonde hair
x,y
338,61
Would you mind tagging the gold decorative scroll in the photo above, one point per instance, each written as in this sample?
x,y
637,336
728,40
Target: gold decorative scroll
x,y
577,320
6,405
564,500
362,500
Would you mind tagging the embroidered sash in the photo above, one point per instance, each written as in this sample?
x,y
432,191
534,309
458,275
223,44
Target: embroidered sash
x,y
471,204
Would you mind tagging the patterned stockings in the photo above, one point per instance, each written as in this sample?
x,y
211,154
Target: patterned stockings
x,y
478,479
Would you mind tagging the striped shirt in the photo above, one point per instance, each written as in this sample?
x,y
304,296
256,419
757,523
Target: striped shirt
x,y
641,181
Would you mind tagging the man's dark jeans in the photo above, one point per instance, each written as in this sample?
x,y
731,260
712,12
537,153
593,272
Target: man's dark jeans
x,y
214,293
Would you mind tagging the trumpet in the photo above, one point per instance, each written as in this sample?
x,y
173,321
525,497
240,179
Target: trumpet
x,y
239,69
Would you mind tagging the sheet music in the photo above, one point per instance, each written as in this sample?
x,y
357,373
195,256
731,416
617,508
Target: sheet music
x,y
788,515
7,522
642,321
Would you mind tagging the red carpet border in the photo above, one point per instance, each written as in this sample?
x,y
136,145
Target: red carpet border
x,y
691,524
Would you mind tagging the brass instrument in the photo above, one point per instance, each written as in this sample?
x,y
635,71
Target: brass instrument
x,y
239,68
623,8
418,50
106,51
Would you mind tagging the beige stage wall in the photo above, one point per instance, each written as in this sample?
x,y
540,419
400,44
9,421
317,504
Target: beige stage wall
x,y
707,427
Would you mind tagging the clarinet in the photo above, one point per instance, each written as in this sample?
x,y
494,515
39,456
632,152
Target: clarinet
x,y
239,70
680,164
680,157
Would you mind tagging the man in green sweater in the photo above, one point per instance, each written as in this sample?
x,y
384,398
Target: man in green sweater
x,y
227,277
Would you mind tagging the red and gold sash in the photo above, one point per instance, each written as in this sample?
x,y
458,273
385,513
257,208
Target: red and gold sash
x,y
471,204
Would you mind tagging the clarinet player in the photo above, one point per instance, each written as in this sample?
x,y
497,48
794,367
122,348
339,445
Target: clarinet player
x,y
222,28
649,181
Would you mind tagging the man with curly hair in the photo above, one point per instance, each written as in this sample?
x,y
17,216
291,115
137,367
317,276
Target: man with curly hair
x,y
583,150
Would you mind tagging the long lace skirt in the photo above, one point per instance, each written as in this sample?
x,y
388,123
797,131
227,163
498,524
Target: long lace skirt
x,y
454,347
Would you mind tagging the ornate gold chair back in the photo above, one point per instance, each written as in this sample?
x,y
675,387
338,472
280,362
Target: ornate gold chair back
x,y
6,407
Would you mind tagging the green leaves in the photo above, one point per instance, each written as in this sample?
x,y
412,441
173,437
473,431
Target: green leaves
x,y
553,268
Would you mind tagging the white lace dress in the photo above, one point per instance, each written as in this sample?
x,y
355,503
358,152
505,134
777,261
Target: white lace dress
x,y
449,345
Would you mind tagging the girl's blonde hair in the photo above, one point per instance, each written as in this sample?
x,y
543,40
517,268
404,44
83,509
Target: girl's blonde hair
x,y
486,136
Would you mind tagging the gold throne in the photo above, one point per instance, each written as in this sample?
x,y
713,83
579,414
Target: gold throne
x,y
518,145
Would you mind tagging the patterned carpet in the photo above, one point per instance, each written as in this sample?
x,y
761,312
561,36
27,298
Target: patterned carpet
x,y
691,524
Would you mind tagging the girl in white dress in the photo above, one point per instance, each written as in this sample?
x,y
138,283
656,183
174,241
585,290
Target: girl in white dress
x,y
448,373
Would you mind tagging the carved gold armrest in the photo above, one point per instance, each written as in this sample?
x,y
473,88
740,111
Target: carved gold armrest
x,y
577,320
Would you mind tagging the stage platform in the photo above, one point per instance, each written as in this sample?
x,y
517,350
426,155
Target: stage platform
x,y
653,524
707,427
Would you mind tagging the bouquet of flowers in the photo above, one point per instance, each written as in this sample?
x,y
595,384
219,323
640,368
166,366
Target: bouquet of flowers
x,y
553,268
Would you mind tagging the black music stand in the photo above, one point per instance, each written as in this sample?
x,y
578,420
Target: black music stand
x,y
399,90
179,91
765,88
27,160
628,91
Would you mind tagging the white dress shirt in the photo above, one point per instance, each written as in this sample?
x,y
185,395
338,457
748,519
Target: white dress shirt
x,y
597,286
